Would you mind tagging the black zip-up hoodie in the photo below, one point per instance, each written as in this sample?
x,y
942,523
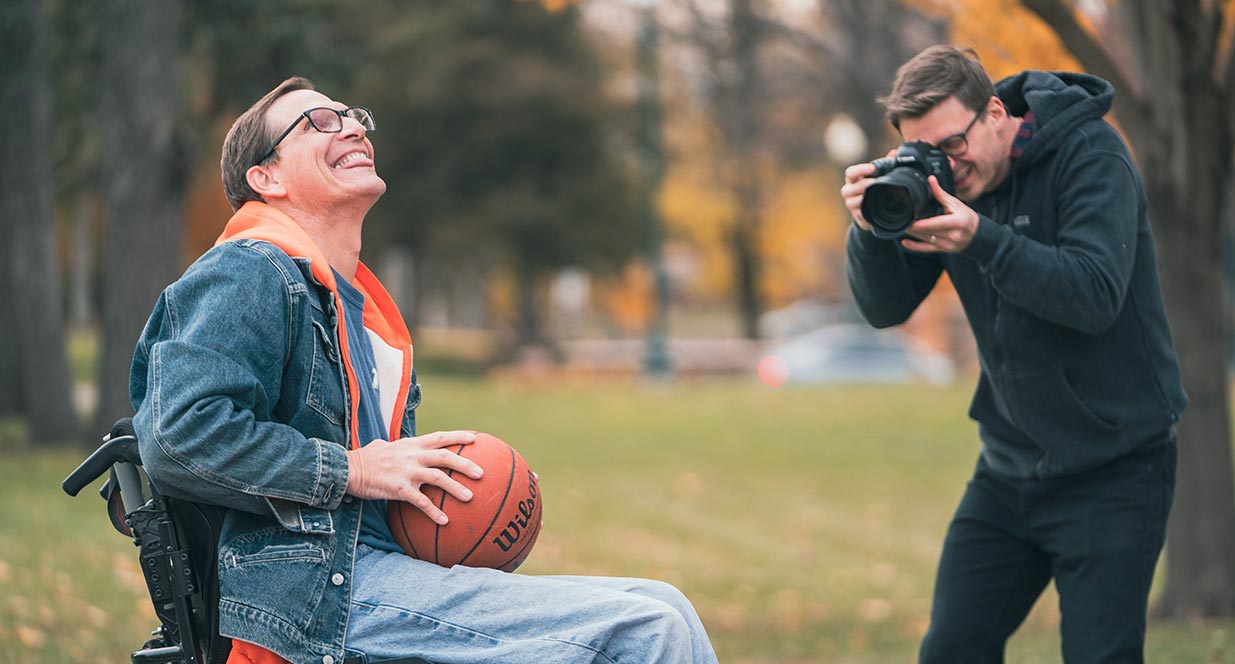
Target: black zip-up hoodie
x,y
1060,286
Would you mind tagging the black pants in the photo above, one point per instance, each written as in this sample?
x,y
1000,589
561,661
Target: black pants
x,y
1098,534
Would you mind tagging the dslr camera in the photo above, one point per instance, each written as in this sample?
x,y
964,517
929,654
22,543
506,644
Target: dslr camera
x,y
900,194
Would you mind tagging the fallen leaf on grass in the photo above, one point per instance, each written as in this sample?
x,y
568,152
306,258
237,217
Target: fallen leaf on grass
x,y
688,485
31,637
874,610
730,617
882,574
95,617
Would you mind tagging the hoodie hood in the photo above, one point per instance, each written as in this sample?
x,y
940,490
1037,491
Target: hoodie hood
x,y
1060,101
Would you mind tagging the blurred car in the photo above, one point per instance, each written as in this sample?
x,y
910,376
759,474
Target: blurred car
x,y
799,317
851,352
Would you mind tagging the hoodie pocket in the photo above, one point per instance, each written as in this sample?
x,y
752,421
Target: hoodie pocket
x,y
1055,417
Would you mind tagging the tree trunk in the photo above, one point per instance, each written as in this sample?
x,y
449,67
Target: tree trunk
x,y
1178,121
529,323
744,174
1200,552
144,180
1200,557
746,266
44,388
10,369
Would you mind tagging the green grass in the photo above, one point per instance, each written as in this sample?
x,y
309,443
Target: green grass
x,y
803,523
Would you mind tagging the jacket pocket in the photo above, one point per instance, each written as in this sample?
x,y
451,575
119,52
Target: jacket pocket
x,y
325,393
277,572
276,553
1053,415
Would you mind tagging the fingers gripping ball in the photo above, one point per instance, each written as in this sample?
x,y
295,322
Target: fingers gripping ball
x,y
496,528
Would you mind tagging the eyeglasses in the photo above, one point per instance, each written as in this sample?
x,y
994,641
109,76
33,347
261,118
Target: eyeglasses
x,y
956,144
327,121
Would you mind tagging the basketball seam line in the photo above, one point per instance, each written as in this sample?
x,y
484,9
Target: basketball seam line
x,y
407,537
498,512
437,528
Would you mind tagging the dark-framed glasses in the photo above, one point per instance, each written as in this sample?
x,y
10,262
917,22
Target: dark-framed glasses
x,y
956,144
327,121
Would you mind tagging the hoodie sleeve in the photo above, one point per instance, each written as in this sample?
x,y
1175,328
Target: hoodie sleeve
x,y
888,282
1081,280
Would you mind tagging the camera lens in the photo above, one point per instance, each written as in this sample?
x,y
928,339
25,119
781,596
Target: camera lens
x,y
894,201
893,206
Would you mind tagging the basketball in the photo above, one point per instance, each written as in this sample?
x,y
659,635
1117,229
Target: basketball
x,y
496,528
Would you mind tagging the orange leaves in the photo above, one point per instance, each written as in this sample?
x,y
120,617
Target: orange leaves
x,y
801,238
1007,36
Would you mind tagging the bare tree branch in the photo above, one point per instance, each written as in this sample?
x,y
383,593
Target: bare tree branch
x,y
1224,66
1130,104
1212,26
1059,15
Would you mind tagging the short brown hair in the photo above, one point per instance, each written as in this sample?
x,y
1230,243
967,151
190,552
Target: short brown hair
x,y
934,75
248,138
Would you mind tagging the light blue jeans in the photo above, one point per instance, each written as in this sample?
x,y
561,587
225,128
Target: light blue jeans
x,y
463,615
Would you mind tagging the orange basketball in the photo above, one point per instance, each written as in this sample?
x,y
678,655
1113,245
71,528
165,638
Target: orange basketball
x,y
496,528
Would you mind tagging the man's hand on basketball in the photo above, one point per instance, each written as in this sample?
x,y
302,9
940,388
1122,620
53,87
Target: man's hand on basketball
x,y
396,470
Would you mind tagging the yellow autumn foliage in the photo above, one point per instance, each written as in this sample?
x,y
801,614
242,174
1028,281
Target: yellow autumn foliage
x,y
1007,37
801,239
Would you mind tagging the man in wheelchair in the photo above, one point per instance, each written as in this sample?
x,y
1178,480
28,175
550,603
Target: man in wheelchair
x,y
274,380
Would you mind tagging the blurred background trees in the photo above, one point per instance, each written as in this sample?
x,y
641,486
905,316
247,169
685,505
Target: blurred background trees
x,y
144,176
35,369
502,148
508,137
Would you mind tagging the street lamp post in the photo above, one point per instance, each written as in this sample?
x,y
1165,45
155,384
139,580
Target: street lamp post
x,y
648,136
844,140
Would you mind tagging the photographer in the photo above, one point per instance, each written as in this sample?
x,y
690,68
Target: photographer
x,y
1039,218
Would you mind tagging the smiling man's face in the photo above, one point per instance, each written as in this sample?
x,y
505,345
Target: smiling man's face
x,y
985,163
317,165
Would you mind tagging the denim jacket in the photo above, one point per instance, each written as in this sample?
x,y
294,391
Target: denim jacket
x,y
243,400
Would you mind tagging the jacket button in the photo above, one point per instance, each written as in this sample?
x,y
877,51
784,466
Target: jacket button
x,y
337,579
328,660
347,498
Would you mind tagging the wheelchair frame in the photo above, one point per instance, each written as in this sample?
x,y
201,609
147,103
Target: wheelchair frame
x,y
178,542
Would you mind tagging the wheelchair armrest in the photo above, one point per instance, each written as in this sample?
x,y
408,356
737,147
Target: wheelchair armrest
x,y
116,449
163,655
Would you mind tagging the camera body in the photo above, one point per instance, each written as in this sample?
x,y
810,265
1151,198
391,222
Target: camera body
x,y
900,194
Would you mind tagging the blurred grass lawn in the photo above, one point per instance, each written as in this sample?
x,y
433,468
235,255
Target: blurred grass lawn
x,y
804,523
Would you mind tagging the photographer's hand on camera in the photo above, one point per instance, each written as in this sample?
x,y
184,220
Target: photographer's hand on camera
x,y
951,231
857,179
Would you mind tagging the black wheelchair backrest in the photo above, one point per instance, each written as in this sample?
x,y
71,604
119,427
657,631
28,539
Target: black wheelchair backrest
x,y
178,549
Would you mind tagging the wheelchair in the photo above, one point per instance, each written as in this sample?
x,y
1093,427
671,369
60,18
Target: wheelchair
x,y
178,544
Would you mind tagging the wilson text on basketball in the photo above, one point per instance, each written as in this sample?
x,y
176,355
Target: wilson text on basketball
x,y
517,526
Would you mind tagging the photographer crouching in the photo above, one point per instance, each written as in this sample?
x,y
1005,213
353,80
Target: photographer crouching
x,y
1032,204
